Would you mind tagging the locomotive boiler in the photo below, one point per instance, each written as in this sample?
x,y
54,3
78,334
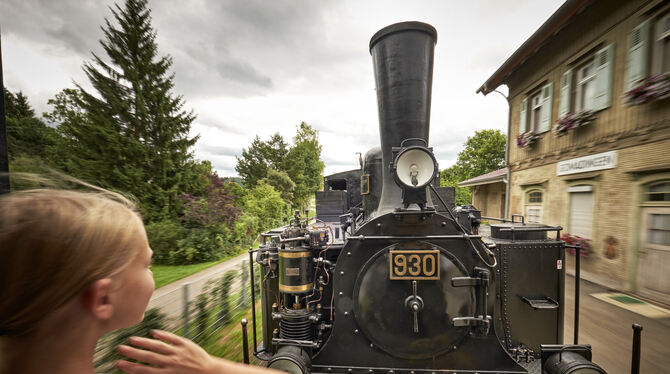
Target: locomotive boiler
x,y
393,278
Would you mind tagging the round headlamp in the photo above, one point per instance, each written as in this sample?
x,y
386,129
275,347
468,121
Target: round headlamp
x,y
414,167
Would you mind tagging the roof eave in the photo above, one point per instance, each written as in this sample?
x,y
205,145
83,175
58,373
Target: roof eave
x,y
484,181
549,28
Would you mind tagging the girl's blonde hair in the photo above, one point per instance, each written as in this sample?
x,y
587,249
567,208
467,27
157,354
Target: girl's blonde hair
x,y
53,244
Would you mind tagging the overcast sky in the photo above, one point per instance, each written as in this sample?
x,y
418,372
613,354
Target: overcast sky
x,y
255,67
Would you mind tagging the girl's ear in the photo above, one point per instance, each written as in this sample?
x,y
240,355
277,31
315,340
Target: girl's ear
x,y
97,301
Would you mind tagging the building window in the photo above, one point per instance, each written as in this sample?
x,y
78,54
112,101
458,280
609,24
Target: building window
x,y
535,197
534,206
651,38
658,192
580,221
592,82
535,113
659,229
662,45
586,87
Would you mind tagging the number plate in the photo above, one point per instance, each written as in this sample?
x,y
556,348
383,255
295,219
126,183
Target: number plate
x,y
414,265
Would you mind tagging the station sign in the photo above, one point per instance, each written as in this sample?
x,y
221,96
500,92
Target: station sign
x,y
600,161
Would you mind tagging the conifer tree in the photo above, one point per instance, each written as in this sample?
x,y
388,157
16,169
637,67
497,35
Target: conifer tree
x,y
134,132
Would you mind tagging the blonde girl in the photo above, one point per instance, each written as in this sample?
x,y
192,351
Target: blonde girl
x,y
74,266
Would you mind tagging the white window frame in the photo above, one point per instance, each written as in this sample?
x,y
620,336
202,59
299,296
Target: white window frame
x,y
582,80
535,111
536,206
661,35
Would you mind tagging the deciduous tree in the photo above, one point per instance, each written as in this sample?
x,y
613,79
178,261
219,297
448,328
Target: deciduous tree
x,y
303,164
482,153
260,157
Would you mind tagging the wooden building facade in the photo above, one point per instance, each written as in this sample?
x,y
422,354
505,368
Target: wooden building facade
x,y
589,136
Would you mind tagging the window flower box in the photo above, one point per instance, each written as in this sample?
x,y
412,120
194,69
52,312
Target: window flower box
x,y
526,139
656,87
573,120
576,239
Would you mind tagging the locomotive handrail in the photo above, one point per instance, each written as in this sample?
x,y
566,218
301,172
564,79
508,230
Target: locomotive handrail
x,y
533,229
299,343
498,219
412,237
518,215
544,228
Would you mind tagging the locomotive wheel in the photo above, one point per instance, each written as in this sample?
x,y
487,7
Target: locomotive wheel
x,y
381,308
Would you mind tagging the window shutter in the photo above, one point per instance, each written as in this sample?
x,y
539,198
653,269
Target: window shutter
x,y
662,31
638,50
566,91
545,111
603,62
523,124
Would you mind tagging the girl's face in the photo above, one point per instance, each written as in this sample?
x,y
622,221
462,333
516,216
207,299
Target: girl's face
x,y
136,283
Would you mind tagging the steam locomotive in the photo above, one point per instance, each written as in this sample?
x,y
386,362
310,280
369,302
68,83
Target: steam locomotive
x,y
393,278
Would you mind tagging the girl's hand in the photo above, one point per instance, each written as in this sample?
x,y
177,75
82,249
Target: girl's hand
x,y
179,356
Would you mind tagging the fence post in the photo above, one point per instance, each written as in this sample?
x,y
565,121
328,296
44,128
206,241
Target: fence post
x,y
245,276
185,313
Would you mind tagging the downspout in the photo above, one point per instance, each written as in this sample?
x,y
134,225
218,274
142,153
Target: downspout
x,y
507,144
4,153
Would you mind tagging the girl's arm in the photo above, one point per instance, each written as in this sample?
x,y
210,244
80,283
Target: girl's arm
x,y
172,354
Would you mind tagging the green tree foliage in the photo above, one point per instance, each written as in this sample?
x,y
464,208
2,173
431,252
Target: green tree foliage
x,y
30,136
164,237
296,172
482,153
154,319
281,182
303,164
132,133
17,105
33,146
260,157
202,315
226,283
215,207
449,178
265,203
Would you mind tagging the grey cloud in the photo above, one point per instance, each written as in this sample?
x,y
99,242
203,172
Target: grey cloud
x,y
219,150
218,125
201,37
63,26
273,42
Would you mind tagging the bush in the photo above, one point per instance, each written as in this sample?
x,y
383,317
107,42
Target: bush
x,y
226,284
202,315
163,238
154,319
199,245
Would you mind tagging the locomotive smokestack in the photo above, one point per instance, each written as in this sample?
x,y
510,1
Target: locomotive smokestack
x,y
402,56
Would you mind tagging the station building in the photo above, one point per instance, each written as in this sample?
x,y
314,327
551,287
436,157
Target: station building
x,y
589,137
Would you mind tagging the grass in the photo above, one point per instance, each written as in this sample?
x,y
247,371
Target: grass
x,y
228,342
166,274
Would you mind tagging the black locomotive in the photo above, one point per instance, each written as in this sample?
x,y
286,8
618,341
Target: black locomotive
x,y
392,278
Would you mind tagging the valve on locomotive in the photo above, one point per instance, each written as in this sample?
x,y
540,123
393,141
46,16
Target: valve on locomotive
x,y
297,311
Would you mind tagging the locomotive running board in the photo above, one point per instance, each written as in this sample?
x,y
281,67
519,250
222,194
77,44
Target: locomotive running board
x,y
319,369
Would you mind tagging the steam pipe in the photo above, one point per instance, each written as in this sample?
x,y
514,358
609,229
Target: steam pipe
x,y
4,155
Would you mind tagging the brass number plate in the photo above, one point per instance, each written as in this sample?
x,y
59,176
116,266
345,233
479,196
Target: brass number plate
x,y
414,265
